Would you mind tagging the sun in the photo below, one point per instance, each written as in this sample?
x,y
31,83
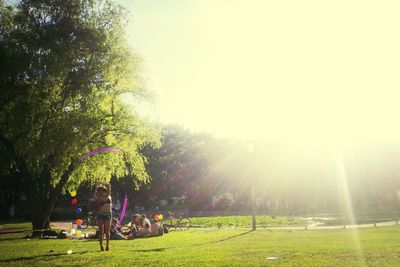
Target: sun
x,y
275,72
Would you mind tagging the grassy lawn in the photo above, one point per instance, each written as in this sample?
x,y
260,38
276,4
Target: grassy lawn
x,y
232,221
18,226
213,247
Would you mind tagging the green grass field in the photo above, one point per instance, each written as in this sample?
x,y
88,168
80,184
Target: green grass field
x,y
213,247
246,221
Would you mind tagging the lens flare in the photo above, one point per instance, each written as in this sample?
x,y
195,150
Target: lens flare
x,y
346,202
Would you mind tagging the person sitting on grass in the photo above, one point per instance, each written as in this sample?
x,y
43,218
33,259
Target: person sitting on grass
x,y
136,221
103,212
155,228
144,228
116,231
145,221
135,224
144,231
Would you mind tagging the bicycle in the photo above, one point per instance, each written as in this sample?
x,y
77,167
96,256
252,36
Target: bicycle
x,y
182,223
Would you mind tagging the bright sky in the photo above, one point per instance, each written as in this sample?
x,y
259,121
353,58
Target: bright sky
x,y
323,72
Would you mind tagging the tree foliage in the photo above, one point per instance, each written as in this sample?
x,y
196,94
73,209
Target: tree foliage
x,y
65,69
181,166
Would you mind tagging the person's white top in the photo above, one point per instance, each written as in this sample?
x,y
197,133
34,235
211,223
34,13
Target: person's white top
x,y
146,221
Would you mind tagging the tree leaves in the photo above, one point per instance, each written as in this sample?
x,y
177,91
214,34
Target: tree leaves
x,y
76,69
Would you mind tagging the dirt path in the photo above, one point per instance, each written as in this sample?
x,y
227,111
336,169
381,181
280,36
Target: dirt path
x,y
322,227
62,225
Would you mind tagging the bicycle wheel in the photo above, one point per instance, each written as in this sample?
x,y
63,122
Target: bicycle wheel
x,y
170,224
184,224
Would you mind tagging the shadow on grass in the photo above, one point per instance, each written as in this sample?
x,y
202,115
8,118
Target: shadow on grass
x,y
151,250
223,240
40,256
195,245
230,237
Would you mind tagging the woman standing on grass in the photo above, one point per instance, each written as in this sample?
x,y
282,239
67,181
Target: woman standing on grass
x,y
103,212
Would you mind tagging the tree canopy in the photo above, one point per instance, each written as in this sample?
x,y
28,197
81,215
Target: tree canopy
x,y
65,69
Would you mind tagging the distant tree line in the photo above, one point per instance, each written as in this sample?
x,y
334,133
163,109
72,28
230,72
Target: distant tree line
x,y
284,179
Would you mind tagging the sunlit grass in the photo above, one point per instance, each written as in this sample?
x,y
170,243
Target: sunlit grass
x,y
246,221
347,205
213,247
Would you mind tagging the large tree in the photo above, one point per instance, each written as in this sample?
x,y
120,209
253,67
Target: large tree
x,y
182,165
65,69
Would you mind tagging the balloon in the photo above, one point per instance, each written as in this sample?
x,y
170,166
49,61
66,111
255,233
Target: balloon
x,y
79,232
73,193
78,222
78,210
160,217
156,217
79,227
73,201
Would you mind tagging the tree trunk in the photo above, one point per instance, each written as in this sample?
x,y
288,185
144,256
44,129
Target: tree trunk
x,y
41,207
40,213
254,220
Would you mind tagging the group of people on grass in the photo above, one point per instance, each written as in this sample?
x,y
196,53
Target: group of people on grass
x,y
140,226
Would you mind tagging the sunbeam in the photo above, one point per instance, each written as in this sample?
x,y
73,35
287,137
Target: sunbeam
x,y
346,204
